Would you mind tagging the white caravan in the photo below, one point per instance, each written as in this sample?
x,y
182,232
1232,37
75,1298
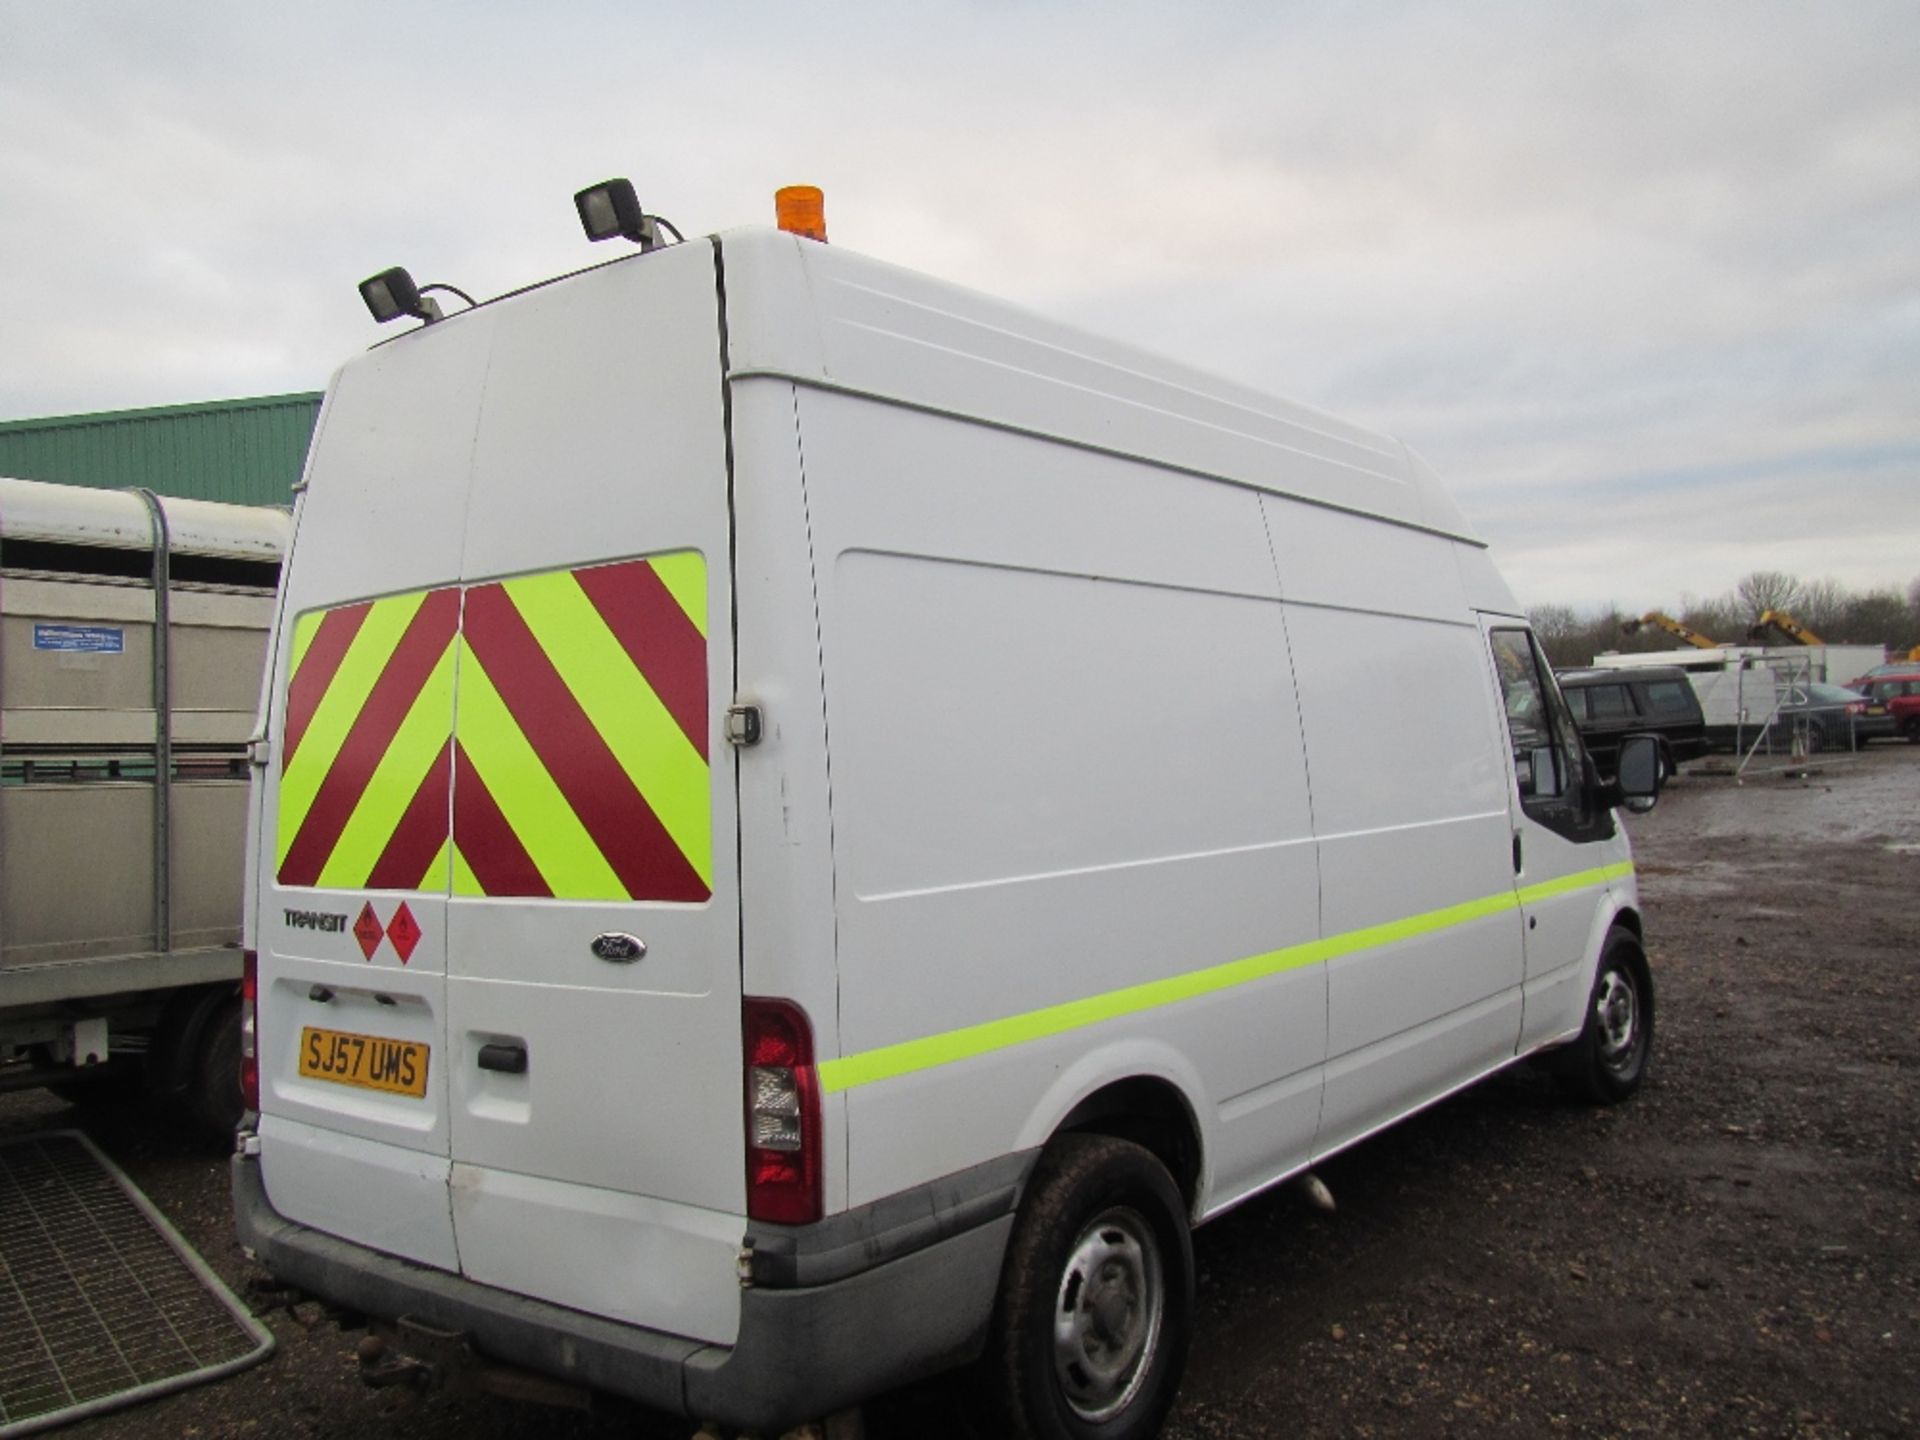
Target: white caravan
x,y
811,824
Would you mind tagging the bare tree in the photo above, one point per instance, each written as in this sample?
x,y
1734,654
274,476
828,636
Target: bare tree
x,y
1553,622
1768,590
1823,607
1717,619
1878,617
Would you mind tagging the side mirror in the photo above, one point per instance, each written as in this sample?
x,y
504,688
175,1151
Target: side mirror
x,y
1636,784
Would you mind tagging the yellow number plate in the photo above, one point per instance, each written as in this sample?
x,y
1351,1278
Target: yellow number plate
x,y
369,1061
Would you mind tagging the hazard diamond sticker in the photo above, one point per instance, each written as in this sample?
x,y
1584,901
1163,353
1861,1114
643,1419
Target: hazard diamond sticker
x,y
367,930
404,931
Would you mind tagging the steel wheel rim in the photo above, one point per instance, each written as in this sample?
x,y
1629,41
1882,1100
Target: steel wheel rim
x,y
1107,1314
1616,1011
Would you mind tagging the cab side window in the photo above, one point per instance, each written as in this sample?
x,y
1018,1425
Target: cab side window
x,y
1549,762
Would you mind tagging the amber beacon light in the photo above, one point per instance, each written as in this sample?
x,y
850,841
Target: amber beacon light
x,y
802,210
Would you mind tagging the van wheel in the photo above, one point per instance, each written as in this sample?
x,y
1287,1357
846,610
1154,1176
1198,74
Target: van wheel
x,y
1089,1337
1609,1060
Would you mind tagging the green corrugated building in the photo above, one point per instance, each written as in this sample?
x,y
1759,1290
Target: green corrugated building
x,y
246,452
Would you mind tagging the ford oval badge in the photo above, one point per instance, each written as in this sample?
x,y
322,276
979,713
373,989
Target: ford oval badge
x,y
620,948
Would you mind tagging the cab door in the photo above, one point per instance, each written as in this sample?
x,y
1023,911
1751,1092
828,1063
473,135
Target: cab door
x,y
1564,842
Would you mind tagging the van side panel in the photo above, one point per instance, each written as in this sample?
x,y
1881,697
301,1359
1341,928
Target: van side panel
x,y
1410,810
1079,664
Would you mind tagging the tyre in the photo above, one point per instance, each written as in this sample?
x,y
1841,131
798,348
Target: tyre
x,y
1912,732
1816,738
1090,1333
1609,1060
214,1100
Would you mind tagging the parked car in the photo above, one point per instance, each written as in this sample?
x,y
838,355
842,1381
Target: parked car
x,y
1900,693
1837,718
1609,705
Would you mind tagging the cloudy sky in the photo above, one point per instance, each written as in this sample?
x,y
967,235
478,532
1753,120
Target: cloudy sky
x,y
1642,280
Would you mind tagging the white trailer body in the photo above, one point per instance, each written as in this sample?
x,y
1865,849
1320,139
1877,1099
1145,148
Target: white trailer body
x,y
133,634
747,639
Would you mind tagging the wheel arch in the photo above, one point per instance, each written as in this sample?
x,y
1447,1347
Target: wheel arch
x,y
1627,917
1141,1092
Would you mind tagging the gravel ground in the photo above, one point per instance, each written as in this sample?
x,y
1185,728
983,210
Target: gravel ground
x,y
1732,1253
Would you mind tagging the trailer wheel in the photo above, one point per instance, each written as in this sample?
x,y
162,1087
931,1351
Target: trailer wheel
x,y
1090,1334
215,1099
1609,1060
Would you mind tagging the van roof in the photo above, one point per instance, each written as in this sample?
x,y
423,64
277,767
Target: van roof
x,y
827,317
824,316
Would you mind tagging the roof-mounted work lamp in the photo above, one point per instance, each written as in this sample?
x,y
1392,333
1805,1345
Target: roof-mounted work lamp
x,y
392,293
611,209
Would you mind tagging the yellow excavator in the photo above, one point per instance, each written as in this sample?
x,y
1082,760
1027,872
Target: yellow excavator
x,y
1780,622
1672,626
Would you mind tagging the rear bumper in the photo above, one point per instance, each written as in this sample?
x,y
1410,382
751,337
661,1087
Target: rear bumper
x,y
906,1288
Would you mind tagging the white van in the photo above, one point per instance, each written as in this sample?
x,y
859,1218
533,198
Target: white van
x,y
811,824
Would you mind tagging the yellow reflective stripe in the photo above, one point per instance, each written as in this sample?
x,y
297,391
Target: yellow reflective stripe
x,y
373,645
420,741
535,809
622,707
1374,937
1547,889
684,573
923,1054
464,882
304,629
439,868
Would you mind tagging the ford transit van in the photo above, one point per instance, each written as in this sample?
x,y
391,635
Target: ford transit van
x,y
810,824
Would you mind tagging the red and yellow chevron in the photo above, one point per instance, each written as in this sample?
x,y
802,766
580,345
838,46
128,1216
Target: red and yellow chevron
x,y
541,736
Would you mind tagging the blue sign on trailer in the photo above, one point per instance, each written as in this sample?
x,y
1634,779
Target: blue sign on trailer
x,y
86,639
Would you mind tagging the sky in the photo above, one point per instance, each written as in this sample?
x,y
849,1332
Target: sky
x,y
1642,281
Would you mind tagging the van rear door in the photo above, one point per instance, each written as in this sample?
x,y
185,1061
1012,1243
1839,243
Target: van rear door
x,y
593,973
350,838
499,931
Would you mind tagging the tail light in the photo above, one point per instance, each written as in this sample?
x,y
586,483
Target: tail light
x,y
250,1029
783,1113
1857,707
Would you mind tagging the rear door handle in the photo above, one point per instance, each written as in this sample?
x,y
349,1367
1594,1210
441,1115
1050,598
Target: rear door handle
x,y
1516,852
507,1059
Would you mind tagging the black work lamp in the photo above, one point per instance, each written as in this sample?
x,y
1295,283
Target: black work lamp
x,y
392,293
611,208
